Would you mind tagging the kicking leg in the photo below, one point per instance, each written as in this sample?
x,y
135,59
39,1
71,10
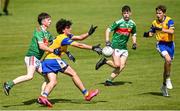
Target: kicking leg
x,y
78,83
119,67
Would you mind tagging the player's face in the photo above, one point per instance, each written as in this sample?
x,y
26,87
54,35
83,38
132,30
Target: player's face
x,y
160,15
46,22
67,30
126,15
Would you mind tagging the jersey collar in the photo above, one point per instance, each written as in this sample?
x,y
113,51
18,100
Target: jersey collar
x,y
42,28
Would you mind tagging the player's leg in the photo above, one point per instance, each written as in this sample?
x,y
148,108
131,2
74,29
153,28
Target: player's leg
x,y
168,59
43,99
31,64
119,59
70,72
116,72
49,68
0,7
78,83
103,61
5,9
45,82
51,84
167,70
161,47
100,63
39,70
116,60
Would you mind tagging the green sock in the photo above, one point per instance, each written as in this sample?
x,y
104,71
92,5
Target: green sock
x,y
10,83
110,79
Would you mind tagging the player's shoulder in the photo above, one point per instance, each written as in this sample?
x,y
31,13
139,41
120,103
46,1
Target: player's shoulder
x,y
61,37
119,21
131,21
38,29
154,21
169,20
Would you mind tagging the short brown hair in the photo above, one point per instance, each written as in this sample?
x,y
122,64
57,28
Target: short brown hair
x,y
126,8
42,16
162,8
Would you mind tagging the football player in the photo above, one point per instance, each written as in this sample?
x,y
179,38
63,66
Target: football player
x,y
163,27
52,64
122,29
39,43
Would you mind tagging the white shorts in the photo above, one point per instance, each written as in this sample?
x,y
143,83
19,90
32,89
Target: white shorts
x,y
120,53
32,60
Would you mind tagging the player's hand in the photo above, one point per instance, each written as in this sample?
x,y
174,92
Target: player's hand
x,y
92,30
97,49
146,34
57,51
70,56
108,43
134,46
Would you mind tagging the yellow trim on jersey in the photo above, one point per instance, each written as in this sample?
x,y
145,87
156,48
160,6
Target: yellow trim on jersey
x,y
163,36
57,44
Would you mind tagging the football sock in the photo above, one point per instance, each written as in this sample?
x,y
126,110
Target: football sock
x,y
85,92
110,79
45,94
10,84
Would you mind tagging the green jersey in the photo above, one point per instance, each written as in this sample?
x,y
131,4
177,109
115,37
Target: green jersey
x,y
39,36
122,30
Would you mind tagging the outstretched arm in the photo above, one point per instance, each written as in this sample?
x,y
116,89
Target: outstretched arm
x,y
80,37
81,45
95,48
85,35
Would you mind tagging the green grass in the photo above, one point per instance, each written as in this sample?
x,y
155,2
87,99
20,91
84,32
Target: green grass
x,y
138,86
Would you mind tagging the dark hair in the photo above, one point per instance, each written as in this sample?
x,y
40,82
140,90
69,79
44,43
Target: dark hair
x,y
42,16
62,24
126,8
162,8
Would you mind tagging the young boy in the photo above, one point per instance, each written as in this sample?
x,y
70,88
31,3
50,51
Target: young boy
x,y
163,27
39,43
53,64
122,29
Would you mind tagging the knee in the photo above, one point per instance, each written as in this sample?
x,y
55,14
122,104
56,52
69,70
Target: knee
x,y
53,83
168,61
117,66
29,77
73,75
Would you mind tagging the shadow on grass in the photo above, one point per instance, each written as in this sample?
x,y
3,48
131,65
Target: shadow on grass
x,y
54,101
74,101
118,83
152,93
2,14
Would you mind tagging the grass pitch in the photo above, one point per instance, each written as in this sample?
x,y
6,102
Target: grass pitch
x,y
138,86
